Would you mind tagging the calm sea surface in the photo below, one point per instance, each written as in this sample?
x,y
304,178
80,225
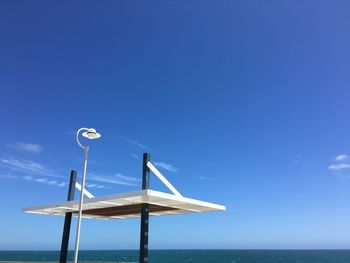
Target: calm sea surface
x,y
193,256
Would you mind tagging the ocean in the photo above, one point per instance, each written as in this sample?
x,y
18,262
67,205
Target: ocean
x,y
191,256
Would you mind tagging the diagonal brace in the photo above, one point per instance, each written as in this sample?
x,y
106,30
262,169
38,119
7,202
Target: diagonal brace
x,y
86,192
163,179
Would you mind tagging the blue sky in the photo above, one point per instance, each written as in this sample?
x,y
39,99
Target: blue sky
x,y
242,103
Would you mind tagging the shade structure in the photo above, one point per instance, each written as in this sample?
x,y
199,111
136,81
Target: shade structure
x,y
128,205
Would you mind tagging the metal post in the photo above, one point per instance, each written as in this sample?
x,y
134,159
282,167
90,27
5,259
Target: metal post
x,y
144,212
77,238
68,219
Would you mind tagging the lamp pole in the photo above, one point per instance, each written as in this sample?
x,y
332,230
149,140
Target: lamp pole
x,y
90,134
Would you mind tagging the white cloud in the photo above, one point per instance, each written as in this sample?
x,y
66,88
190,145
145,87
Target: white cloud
x,y
341,158
166,166
26,147
207,178
126,178
339,166
135,156
53,182
46,181
49,182
96,186
28,166
41,180
118,179
140,145
10,176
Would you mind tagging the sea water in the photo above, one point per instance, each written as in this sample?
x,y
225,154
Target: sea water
x,y
191,256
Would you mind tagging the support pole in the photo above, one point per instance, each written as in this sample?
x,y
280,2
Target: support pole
x,y
67,219
144,211
77,237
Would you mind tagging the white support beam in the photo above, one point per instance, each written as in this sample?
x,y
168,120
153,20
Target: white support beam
x,y
86,192
163,179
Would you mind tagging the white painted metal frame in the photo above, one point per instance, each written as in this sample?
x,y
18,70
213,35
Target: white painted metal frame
x,y
163,179
184,205
85,192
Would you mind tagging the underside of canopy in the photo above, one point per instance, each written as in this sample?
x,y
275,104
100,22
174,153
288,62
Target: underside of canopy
x,y
128,205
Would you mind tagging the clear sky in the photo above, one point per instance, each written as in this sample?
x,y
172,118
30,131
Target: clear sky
x,y
241,103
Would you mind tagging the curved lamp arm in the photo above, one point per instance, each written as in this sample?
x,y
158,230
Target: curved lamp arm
x,y
77,137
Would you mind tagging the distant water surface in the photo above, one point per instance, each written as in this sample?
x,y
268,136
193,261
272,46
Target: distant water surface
x,y
191,256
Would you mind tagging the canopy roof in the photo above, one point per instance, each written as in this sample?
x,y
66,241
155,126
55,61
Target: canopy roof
x,y
128,205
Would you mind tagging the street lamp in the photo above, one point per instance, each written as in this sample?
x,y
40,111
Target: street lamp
x,y
91,134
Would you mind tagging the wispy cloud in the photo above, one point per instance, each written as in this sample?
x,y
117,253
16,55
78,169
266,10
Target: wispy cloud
x,y
206,178
126,178
28,177
140,145
118,179
49,182
135,156
341,158
10,176
28,166
36,172
41,180
166,166
97,186
26,147
339,166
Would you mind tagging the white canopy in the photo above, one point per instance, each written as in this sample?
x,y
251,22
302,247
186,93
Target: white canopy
x,y
128,205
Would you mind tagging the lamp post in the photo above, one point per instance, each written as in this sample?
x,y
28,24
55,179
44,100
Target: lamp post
x,y
91,134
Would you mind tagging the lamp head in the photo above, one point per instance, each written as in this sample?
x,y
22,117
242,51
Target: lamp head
x,y
91,134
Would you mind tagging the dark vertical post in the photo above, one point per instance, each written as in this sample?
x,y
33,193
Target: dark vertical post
x,y
68,219
144,212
